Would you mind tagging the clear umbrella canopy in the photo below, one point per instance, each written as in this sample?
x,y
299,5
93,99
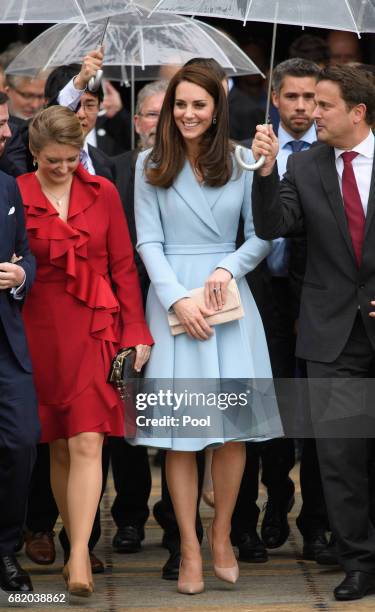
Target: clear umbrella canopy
x,y
60,11
353,15
134,39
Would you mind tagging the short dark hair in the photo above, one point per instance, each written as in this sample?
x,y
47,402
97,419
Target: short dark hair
x,y
296,67
60,76
310,47
4,98
356,87
210,63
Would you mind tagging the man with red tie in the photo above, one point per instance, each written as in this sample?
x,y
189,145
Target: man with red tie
x,y
328,193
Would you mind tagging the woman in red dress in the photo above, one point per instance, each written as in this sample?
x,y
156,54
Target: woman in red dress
x,y
84,306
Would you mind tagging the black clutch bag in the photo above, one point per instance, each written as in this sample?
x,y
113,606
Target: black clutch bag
x,y
122,369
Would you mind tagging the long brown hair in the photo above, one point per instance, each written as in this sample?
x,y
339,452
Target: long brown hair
x,y
168,155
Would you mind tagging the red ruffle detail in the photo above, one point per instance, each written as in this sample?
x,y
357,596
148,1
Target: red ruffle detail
x,y
68,251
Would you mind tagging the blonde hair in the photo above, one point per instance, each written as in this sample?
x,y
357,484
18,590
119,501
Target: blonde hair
x,y
56,124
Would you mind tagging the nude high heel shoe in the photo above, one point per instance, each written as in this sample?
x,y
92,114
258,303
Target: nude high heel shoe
x,y
228,574
189,588
79,589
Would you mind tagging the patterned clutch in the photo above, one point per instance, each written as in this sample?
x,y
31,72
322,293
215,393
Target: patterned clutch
x,y
122,369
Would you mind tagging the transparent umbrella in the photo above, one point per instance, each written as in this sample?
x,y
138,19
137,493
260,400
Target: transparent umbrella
x,y
136,45
57,11
133,39
351,15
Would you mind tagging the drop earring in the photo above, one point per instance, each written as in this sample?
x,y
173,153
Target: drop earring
x,y
213,120
35,162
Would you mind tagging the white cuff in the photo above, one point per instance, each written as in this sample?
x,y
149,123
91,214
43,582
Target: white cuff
x,y
69,96
17,292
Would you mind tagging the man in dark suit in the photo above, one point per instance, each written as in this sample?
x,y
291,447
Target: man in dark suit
x,y
19,425
328,194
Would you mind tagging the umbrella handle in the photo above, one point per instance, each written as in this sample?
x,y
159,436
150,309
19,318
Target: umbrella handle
x,y
95,81
244,165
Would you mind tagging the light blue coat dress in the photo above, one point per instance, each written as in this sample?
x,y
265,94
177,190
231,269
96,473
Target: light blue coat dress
x,y
184,233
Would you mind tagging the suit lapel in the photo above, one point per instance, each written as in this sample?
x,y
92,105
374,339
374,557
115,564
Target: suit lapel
x,y
192,193
328,174
371,200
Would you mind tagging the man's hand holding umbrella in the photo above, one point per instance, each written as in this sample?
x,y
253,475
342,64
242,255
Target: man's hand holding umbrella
x,y
92,62
265,143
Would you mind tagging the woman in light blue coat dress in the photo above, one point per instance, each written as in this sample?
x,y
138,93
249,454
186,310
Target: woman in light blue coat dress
x,y
189,197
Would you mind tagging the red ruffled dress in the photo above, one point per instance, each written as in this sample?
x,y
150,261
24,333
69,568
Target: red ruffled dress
x,y
84,305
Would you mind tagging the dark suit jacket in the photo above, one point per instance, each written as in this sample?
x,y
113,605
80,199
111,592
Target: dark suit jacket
x,y
125,171
308,201
244,115
114,135
103,165
17,158
13,240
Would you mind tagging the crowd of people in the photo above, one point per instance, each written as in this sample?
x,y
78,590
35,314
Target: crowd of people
x,y
80,280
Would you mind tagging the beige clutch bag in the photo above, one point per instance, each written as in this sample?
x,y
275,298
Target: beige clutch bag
x,y
231,311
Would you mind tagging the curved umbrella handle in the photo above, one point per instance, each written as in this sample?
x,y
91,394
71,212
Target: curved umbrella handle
x,y
244,165
94,82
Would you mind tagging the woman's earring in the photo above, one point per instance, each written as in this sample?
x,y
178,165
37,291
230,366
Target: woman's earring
x,y
214,120
35,162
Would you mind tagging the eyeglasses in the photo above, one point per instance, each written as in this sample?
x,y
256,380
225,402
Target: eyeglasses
x,y
150,115
89,107
29,96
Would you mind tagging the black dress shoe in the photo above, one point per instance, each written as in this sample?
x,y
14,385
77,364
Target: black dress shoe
x,y
172,566
328,555
250,548
275,528
13,577
20,543
317,548
128,539
355,585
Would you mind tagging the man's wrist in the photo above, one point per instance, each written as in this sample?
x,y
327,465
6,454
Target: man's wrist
x,y
79,83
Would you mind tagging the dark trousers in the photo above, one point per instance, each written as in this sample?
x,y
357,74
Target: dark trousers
x,y
345,454
19,433
132,480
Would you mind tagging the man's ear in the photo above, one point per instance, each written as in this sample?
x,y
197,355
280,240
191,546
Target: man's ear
x,y
136,121
275,98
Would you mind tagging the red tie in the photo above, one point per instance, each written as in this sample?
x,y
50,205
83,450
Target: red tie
x,y
353,205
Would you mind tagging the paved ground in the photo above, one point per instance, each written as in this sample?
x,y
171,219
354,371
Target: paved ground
x,y
132,582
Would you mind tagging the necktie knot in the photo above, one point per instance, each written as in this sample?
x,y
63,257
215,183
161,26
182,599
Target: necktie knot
x,y
296,145
348,156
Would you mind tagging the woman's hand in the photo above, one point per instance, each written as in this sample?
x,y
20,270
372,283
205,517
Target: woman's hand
x,y
142,356
215,288
191,316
